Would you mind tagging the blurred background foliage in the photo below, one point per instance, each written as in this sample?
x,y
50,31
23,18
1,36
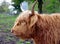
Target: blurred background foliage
x,y
49,6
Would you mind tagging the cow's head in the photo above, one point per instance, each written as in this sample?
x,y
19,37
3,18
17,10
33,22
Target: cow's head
x,y
24,24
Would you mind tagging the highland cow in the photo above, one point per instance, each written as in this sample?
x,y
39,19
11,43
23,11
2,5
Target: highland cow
x,y
42,28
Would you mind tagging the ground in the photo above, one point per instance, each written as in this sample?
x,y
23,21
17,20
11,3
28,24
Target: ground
x,y
6,23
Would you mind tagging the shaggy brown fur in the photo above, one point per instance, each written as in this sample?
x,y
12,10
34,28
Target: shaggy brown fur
x,y
43,29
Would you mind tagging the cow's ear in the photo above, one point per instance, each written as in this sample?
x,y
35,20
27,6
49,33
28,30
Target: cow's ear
x,y
33,20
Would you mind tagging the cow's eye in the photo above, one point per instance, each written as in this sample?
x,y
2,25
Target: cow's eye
x,y
18,24
21,22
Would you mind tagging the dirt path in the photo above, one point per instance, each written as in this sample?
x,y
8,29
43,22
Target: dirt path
x,y
7,38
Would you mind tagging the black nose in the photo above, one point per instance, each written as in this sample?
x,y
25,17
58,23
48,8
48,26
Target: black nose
x,y
12,31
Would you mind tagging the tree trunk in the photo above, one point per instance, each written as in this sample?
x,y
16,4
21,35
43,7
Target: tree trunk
x,y
40,2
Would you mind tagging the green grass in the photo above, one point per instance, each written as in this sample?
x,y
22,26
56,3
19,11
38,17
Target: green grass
x,y
22,41
7,21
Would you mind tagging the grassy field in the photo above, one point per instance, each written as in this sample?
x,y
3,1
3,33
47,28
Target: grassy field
x,y
6,23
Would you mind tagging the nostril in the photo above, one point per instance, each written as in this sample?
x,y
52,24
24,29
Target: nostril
x,y
12,31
